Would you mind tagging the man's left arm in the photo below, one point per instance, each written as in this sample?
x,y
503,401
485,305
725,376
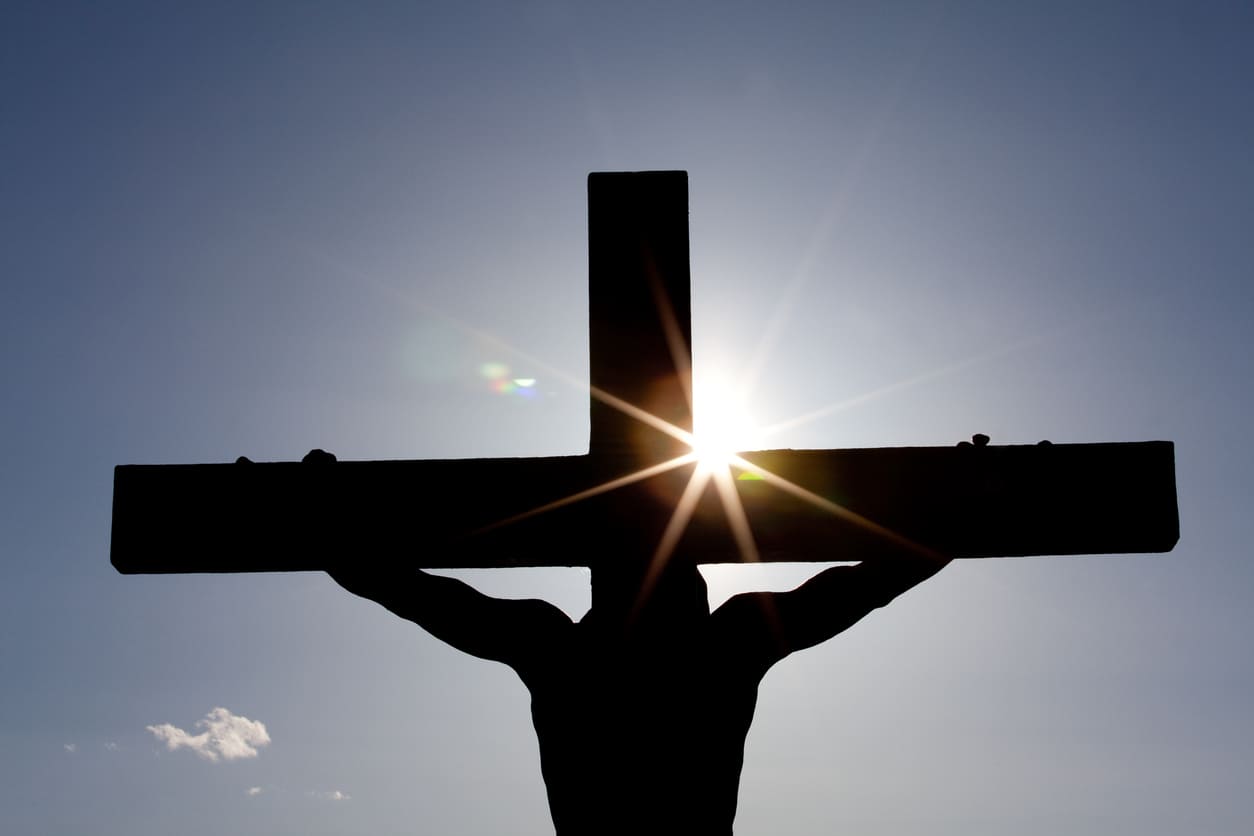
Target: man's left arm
x,y
772,625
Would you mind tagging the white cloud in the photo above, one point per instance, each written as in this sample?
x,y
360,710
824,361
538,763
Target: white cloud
x,y
70,747
333,795
111,746
253,791
226,736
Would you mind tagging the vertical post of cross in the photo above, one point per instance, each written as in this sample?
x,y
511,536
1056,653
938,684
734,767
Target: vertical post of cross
x,y
639,301
640,337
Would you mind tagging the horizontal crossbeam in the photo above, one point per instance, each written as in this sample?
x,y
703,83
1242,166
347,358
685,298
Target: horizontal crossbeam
x,y
820,505
816,505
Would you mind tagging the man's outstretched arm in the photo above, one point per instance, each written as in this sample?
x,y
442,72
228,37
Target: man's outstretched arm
x,y
775,624
498,629
456,613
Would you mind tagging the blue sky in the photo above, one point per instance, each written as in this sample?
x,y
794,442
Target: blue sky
x,y
260,228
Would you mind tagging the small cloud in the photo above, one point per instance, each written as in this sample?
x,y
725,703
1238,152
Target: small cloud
x,y
226,736
251,791
111,746
333,795
70,747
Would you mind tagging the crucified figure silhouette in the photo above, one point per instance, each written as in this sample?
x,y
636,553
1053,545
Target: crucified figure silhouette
x,y
642,706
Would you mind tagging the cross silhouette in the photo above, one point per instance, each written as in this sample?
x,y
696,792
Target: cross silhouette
x,y
639,493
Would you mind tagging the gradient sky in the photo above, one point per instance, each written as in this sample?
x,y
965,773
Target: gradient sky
x,y
259,228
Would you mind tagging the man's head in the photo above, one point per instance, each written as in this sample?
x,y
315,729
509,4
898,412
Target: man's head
x,y
676,590
639,597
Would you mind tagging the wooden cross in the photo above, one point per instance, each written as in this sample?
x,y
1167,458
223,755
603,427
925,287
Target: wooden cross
x,y
618,502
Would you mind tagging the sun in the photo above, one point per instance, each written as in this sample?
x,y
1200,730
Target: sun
x,y
722,427
716,445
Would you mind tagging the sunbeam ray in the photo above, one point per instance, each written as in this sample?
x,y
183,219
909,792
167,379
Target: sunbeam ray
x,y
835,509
681,355
866,397
675,527
737,519
596,490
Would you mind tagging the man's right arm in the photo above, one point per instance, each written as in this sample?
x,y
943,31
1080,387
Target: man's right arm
x,y
498,629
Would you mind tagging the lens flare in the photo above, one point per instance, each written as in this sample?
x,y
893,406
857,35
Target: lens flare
x,y
501,382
